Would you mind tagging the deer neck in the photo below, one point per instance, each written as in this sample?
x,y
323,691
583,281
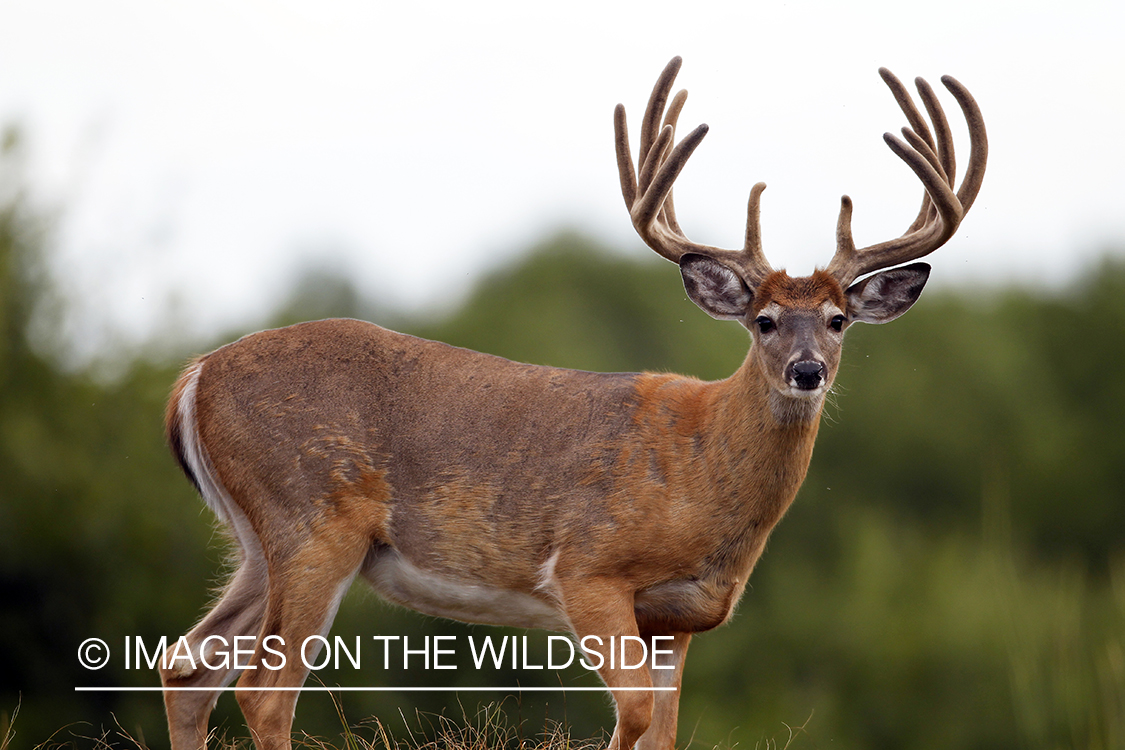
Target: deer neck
x,y
762,443
746,404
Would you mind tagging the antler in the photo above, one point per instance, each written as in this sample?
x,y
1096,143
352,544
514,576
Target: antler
x,y
649,200
942,210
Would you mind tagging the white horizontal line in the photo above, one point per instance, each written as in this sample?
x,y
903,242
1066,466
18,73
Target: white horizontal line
x,y
320,689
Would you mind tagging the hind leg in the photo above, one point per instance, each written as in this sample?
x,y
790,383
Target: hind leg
x,y
237,614
304,594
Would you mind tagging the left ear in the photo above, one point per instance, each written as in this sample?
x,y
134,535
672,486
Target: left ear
x,y
885,296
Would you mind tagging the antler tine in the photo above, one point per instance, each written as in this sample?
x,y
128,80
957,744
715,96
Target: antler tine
x,y
945,154
752,247
935,165
906,104
668,210
648,188
626,174
919,129
978,143
654,110
655,160
646,208
941,128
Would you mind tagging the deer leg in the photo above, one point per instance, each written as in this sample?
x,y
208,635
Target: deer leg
x,y
237,614
661,733
601,612
304,594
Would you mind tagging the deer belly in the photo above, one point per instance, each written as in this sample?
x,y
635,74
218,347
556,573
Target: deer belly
x,y
440,595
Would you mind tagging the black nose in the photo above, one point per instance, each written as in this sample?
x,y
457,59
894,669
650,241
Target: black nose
x,y
807,374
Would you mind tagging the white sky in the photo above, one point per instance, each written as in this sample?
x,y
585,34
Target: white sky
x,y
202,151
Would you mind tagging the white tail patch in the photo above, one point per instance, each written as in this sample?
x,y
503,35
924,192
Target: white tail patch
x,y
194,455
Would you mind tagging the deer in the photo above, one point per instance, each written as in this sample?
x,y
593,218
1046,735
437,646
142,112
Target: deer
x,y
467,486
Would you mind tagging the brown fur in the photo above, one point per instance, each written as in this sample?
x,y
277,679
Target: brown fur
x,y
339,441
803,291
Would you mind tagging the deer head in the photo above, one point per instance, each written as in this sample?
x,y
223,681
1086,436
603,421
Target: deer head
x,y
798,323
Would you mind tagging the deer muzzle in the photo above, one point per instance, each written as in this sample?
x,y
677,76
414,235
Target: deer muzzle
x,y
806,374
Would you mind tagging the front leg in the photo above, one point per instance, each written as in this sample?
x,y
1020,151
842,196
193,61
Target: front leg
x,y
604,608
661,733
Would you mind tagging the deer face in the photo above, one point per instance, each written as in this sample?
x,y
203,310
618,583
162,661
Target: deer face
x,y
798,330
798,324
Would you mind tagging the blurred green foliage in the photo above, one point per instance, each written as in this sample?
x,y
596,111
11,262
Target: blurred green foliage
x,y
951,576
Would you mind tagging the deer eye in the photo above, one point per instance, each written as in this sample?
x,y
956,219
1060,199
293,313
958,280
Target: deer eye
x,y
837,323
765,325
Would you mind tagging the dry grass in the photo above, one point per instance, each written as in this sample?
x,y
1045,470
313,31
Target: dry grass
x,y
6,732
489,729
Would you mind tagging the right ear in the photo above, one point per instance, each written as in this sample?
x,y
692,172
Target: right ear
x,y
719,291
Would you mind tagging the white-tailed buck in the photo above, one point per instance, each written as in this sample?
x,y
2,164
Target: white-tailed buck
x,y
467,486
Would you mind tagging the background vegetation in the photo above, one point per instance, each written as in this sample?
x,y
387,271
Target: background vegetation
x,y
951,576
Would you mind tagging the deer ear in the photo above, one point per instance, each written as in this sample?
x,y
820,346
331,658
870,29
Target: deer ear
x,y
719,291
885,296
